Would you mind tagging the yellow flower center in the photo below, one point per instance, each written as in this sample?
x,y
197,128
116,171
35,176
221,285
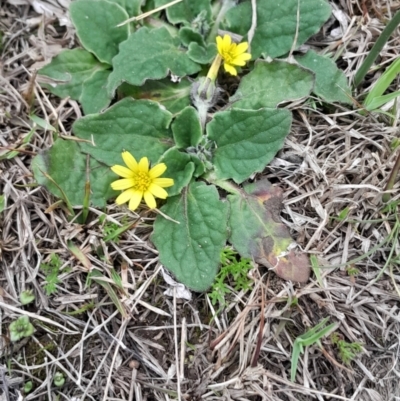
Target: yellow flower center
x,y
226,55
142,181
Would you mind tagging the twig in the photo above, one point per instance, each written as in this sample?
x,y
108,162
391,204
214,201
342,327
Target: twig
x,y
145,15
253,27
392,179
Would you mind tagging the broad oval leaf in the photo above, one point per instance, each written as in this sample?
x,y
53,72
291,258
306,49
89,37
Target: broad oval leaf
x,y
258,233
69,70
272,83
186,128
180,167
187,11
190,247
149,54
138,126
330,82
63,170
174,96
247,140
94,97
96,26
277,24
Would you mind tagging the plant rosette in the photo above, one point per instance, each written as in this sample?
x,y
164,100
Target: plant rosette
x,y
21,328
26,297
58,379
165,120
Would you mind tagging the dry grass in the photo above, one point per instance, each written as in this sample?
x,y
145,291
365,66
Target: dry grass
x,y
167,348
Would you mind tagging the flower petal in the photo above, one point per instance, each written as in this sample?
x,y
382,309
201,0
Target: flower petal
x,y
157,170
157,191
144,165
240,48
241,59
163,182
219,44
135,200
230,69
125,183
124,197
149,199
226,42
122,171
130,161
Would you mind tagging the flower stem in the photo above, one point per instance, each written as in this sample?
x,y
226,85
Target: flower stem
x,y
213,71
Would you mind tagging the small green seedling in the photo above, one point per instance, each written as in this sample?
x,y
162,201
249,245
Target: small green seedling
x,y
28,386
58,379
21,328
26,297
347,351
312,336
52,271
352,271
235,267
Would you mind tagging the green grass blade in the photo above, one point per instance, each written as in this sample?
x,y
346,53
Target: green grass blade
x,y
297,349
317,270
376,49
381,100
99,279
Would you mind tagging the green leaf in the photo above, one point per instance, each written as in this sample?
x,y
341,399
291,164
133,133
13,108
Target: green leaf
x,y
188,35
21,328
375,97
190,249
330,82
66,166
247,140
69,70
97,277
9,154
180,168
26,297
187,10
379,101
272,83
277,23
200,168
200,54
40,122
96,26
149,54
257,233
132,7
312,336
174,96
94,96
186,128
138,126
2,203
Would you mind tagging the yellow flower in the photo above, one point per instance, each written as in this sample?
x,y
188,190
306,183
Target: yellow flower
x,y
233,54
139,181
